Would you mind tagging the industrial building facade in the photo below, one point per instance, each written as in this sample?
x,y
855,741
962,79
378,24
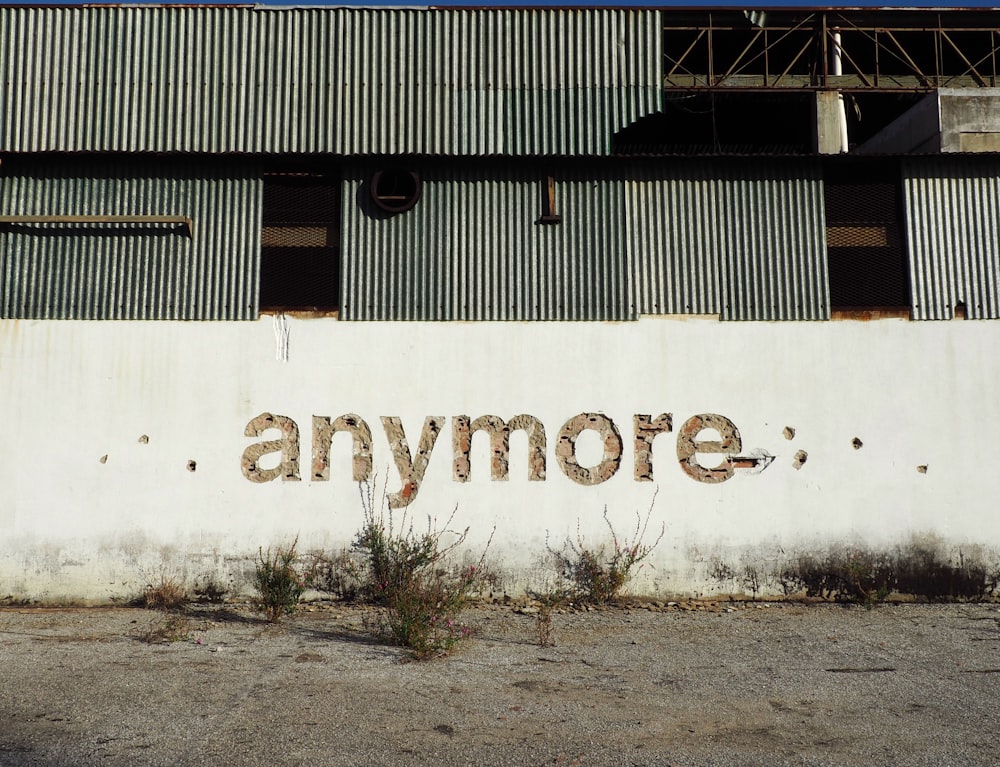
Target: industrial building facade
x,y
314,223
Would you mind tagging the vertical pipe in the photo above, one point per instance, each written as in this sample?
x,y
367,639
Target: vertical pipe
x,y
837,69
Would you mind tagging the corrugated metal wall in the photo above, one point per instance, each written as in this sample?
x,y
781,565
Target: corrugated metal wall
x,y
342,81
953,230
472,249
131,271
744,240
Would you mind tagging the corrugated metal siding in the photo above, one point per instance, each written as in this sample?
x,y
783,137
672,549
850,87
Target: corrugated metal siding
x,y
776,267
744,241
344,81
674,239
130,271
471,250
953,230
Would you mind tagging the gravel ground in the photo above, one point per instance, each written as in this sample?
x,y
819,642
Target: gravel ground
x,y
785,684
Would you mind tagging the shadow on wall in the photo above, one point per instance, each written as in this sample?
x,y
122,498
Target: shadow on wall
x,y
866,576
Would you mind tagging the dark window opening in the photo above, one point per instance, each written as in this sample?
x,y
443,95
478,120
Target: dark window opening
x,y
395,190
867,260
300,239
549,215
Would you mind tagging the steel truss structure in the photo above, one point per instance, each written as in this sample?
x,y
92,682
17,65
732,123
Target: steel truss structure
x,y
849,50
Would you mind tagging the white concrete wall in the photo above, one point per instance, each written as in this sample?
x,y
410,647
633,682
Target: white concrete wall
x,y
948,120
76,525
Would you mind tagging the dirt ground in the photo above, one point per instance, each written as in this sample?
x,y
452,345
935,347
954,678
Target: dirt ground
x,y
729,684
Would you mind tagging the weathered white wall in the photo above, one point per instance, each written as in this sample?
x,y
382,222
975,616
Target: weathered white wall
x,y
72,526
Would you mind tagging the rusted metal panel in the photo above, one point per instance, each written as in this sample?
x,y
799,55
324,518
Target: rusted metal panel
x,y
345,81
128,266
473,249
741,240
953,227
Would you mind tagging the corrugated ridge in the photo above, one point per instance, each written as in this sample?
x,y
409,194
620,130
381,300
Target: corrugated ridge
x,y
953,232
472,250
343,81
132,271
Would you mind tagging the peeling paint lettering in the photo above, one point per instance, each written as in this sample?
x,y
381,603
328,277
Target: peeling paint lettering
x,y
688,447
499,431
411,468
288,446
646,428
323,432
566,448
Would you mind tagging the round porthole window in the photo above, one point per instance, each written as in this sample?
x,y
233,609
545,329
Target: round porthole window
x,y
395,190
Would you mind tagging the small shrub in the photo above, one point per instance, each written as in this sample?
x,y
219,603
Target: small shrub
x,y
751,579
168,594
176,628
598,575
210,591
410,577
866,578
548,601
279,582
342,576
860,577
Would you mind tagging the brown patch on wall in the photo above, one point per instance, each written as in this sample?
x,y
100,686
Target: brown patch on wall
x,y
922,468
288,446
857,444
867,315
688,446
361,434
499,433
800,459
566,448
645,428
789,432
411,469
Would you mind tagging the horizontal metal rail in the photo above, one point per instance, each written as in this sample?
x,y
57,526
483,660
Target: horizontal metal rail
x,y
184,221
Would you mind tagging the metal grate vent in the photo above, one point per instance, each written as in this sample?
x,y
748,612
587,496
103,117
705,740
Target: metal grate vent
x,y
866,257
300,259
